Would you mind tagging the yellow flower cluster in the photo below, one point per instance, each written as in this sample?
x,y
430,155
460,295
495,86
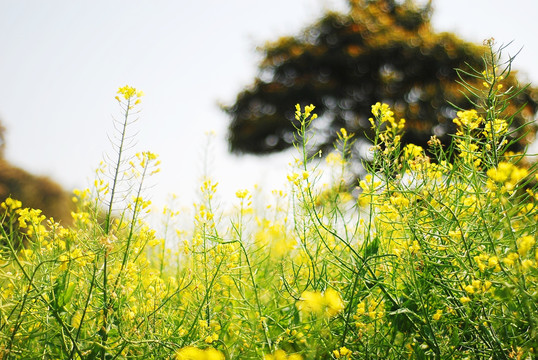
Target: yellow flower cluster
x,y
334,158
31,219
495,129
506,174
241,194
412,151
209,188
468,119
129,93
437,315
372,308
79,256
329,302
524,244
484,262
343,135
477,286
390,136
342,353
282,355
299,115
382,113
147,159
192,353
11,204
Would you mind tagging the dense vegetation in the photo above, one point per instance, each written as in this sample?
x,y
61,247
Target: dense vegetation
x,y
425,259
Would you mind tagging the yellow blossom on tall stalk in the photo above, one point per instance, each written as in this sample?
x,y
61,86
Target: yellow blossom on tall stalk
x,y
11,204
146,159
271,286
129,93
241,194
307,111
382,114
468,119
388,132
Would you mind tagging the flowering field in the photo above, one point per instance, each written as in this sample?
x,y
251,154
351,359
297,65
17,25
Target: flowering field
x,y
430,257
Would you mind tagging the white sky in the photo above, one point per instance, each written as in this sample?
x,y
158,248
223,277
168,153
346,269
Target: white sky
x,y
61,63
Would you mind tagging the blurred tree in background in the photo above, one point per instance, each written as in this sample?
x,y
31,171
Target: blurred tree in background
x,y
381,51
38,192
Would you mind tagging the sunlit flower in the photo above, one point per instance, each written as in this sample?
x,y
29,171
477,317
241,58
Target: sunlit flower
x,y
468,119
129,92
524,244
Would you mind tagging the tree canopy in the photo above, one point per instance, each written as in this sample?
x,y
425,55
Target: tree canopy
x,y
380,51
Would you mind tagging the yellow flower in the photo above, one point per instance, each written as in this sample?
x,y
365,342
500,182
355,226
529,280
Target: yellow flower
x,y
311,301
468,119
382,113
307,111
469,289
437,315
507,174
329,302
510,259
129,92
361,308
11,204
281,355
493,262
334,302
411,151
343,352
192,353
63,259
213,354
497,127
527,264
32,216
524,244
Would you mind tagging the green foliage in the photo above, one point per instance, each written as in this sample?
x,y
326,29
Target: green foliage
x,y
381,50
431,260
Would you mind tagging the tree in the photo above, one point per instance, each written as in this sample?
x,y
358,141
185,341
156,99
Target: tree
x,y
33,191
381,51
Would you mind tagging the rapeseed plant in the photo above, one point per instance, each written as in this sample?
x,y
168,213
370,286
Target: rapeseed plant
x,y
435,257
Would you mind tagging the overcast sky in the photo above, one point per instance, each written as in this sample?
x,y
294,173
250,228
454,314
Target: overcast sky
x,y
61,63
